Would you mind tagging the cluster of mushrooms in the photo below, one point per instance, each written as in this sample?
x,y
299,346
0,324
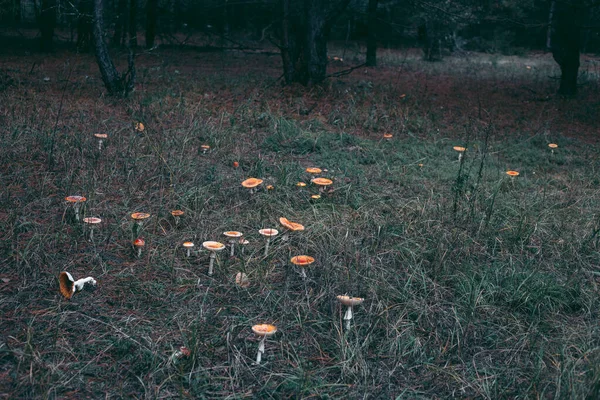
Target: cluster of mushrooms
x,y
68,286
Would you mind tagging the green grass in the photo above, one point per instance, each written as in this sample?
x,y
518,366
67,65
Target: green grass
x,y
476,285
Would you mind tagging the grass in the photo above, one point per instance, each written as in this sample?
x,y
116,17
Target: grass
x,y
475,284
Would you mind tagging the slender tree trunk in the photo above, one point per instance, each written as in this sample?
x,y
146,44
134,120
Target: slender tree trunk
x,y
115,84
372,38
47,23
117,39
132,23
316,42
286,49
151,17
564,42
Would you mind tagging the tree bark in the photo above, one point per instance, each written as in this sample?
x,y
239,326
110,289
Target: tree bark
x,y
114,83
132,23
372,38
316,41
564,42
286,45
47,23
151,17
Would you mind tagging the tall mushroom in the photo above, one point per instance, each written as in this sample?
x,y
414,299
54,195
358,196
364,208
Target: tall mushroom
x,y
263,331
460,151
234,236
349,302
252,184
290,227
176,215
138,245
213,247
100,137
205,148
268,233
76,202
68,286
92,221
188,246
139,218
302,262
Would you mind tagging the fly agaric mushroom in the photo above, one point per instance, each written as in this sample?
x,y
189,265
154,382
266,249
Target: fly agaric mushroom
x,y
139,244
243,242
188,246
100,137
512,174
300,184
552,147
263,331
69,286
176,215
241,279
92,221
290,227
268,233
139,127
252,184
387,136
205,148
76,202
213,247
302,262
233,235
138,217
322,183
460,150
313,170
349,302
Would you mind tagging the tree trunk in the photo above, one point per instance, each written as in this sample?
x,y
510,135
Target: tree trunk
x,y
132,23
47,23
316,42
564,42
114,83
286,45
120,24
84,25
151,16
372,38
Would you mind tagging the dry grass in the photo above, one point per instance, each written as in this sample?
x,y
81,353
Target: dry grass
x,y
476,285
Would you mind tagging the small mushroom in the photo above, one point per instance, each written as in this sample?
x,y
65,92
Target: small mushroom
x,y
233,235
205,148
314,170
138,245
139,126
552,147
181,353
92,221
243,242
100,137
188,246
139,218
263,331
68,286
460,151
315,197
268,233
512,174
349,302
252,184
387,136
176,215
300,184
290,227
213,247
302,262
323,183
241,279
76,202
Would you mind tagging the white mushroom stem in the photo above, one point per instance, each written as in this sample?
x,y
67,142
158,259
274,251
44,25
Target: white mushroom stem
x,y
261,350
303,273
91,234
232,242
176,220
188,251
139,251
348,316
100,144
285,237
76,207
213,255
267,246
78,285
459,155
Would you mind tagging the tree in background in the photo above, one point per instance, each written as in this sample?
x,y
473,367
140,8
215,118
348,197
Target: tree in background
x,y
151,20
47,23
564,41
372,38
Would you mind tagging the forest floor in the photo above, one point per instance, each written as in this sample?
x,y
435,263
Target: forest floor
x,y
476,284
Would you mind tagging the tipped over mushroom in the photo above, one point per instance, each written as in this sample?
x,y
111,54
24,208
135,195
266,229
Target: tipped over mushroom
x,y
349,302
68,286
290,227
263,331
213,247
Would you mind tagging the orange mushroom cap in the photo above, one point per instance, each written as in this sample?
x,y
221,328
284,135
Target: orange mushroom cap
x,y
302,260
552,145
300,184
315,196
213,246
233,234
313,170
139,242
177,213
512,173
322,181
292,226
205,147
387,136
268,232
188,244
252,183
350,301
101,135
264,329
459,148
92,220
67,284
140,215
75,199
139,127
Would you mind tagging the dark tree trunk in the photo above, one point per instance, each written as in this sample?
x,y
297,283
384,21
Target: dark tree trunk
x,y
47,21
432,44
317,30
115,84
120,23
132,23
286,42
84,25
151,16
564,42
372,38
